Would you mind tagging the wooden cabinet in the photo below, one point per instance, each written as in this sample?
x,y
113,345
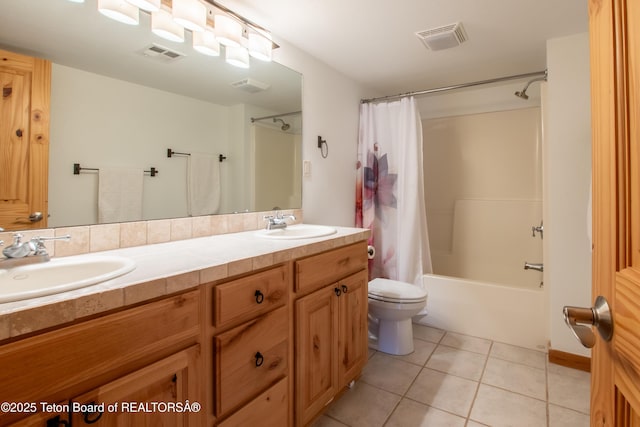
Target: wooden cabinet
x,y
156,395
247,350
331,328
131,354
250,356
353,332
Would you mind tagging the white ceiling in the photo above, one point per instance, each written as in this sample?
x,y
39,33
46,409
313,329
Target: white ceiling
x,y
371,41
374,42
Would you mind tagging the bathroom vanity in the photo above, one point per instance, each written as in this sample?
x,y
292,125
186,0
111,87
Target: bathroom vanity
x,y
227,330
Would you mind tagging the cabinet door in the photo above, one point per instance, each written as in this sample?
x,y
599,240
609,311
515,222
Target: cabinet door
x,y
316,352
269,409
151,396
51,418
353,326
24,139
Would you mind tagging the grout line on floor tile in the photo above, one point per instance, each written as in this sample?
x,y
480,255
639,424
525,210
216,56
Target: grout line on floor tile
x,y
475,396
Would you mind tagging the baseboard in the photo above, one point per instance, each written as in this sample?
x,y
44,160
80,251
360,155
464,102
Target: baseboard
x,y
570,360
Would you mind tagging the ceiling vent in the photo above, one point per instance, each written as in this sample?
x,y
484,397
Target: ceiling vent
x,y
443,37
161,53
250,85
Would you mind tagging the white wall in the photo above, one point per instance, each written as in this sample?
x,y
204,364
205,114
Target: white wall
x,y
330,105
567,177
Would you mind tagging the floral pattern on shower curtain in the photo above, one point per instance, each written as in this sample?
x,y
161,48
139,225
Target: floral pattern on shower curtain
x,y
389,190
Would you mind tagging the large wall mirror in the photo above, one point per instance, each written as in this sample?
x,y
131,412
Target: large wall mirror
x,y
117,102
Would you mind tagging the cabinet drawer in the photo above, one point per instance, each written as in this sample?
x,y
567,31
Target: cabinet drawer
x,y
319,270
250,358
270,409
250,296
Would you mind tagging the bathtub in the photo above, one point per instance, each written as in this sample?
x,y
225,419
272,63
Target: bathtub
x,y
501,313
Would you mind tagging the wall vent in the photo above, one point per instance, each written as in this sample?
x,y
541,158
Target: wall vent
x,y
250,85
161,53
444,37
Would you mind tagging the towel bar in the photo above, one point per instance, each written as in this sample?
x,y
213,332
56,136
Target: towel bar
x,y
77,169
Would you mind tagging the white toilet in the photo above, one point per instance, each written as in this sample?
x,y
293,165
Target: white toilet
x,y
392,304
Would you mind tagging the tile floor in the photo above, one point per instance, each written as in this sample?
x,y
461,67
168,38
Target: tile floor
x,y
458,380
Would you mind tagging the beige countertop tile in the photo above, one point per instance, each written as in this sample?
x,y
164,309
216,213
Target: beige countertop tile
x,y
162,269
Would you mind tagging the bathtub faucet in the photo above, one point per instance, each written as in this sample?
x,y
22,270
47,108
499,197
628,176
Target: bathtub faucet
x,y
533,266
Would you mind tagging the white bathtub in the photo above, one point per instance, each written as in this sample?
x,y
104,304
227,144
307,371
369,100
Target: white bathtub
x,y
497,312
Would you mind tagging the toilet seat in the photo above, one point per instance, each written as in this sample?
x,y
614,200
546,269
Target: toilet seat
x,y
387,290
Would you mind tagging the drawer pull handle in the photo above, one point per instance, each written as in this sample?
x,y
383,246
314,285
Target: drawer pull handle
x,y
344,289
259,297
95,419
259,359
337,291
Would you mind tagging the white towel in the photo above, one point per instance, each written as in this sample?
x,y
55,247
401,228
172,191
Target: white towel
x,y
119,194
203,184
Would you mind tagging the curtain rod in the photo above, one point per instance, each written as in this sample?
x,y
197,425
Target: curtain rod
x,y
459,86
293,113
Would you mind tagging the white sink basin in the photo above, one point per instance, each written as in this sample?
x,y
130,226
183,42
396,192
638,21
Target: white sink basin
x,y
298,231
59,275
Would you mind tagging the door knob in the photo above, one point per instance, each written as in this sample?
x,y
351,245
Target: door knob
x,y
580,320
34,217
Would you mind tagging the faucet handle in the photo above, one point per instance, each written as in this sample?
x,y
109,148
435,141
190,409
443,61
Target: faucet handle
x,y
38,243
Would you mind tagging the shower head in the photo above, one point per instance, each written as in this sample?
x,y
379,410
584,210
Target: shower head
x,y
285,126
523,93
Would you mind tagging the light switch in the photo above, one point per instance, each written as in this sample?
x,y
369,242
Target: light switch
x,y
306,168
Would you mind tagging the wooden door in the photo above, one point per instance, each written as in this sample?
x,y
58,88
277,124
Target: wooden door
x,y
615,45
24,139
316,352
148,397
353,335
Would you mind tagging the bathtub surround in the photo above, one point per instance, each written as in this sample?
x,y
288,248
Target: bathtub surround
x,y
483,191
389,178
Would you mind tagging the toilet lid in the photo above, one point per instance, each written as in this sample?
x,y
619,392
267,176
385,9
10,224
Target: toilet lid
x,y
394,291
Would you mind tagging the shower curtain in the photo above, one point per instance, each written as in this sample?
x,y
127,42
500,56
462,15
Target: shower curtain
x,y
389,190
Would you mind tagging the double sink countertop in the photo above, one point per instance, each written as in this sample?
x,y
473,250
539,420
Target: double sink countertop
x,y
163,269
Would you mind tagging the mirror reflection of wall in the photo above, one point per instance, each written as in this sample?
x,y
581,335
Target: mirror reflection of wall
x,y
98,121
277,177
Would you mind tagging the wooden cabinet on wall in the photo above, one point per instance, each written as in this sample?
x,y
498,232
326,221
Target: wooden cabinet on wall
x,y
331,326
149,353
250,353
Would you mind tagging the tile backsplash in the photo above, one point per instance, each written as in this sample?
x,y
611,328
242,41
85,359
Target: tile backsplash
x,y
103,237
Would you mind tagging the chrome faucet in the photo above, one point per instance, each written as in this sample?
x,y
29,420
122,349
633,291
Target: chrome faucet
x,y
277,220
533,266
29,252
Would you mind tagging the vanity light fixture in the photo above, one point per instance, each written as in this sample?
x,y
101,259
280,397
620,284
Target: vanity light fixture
x,y
120,10
260,46
228,31
76,1
163,25
147,5
191,14
237,56
206,43
241,37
